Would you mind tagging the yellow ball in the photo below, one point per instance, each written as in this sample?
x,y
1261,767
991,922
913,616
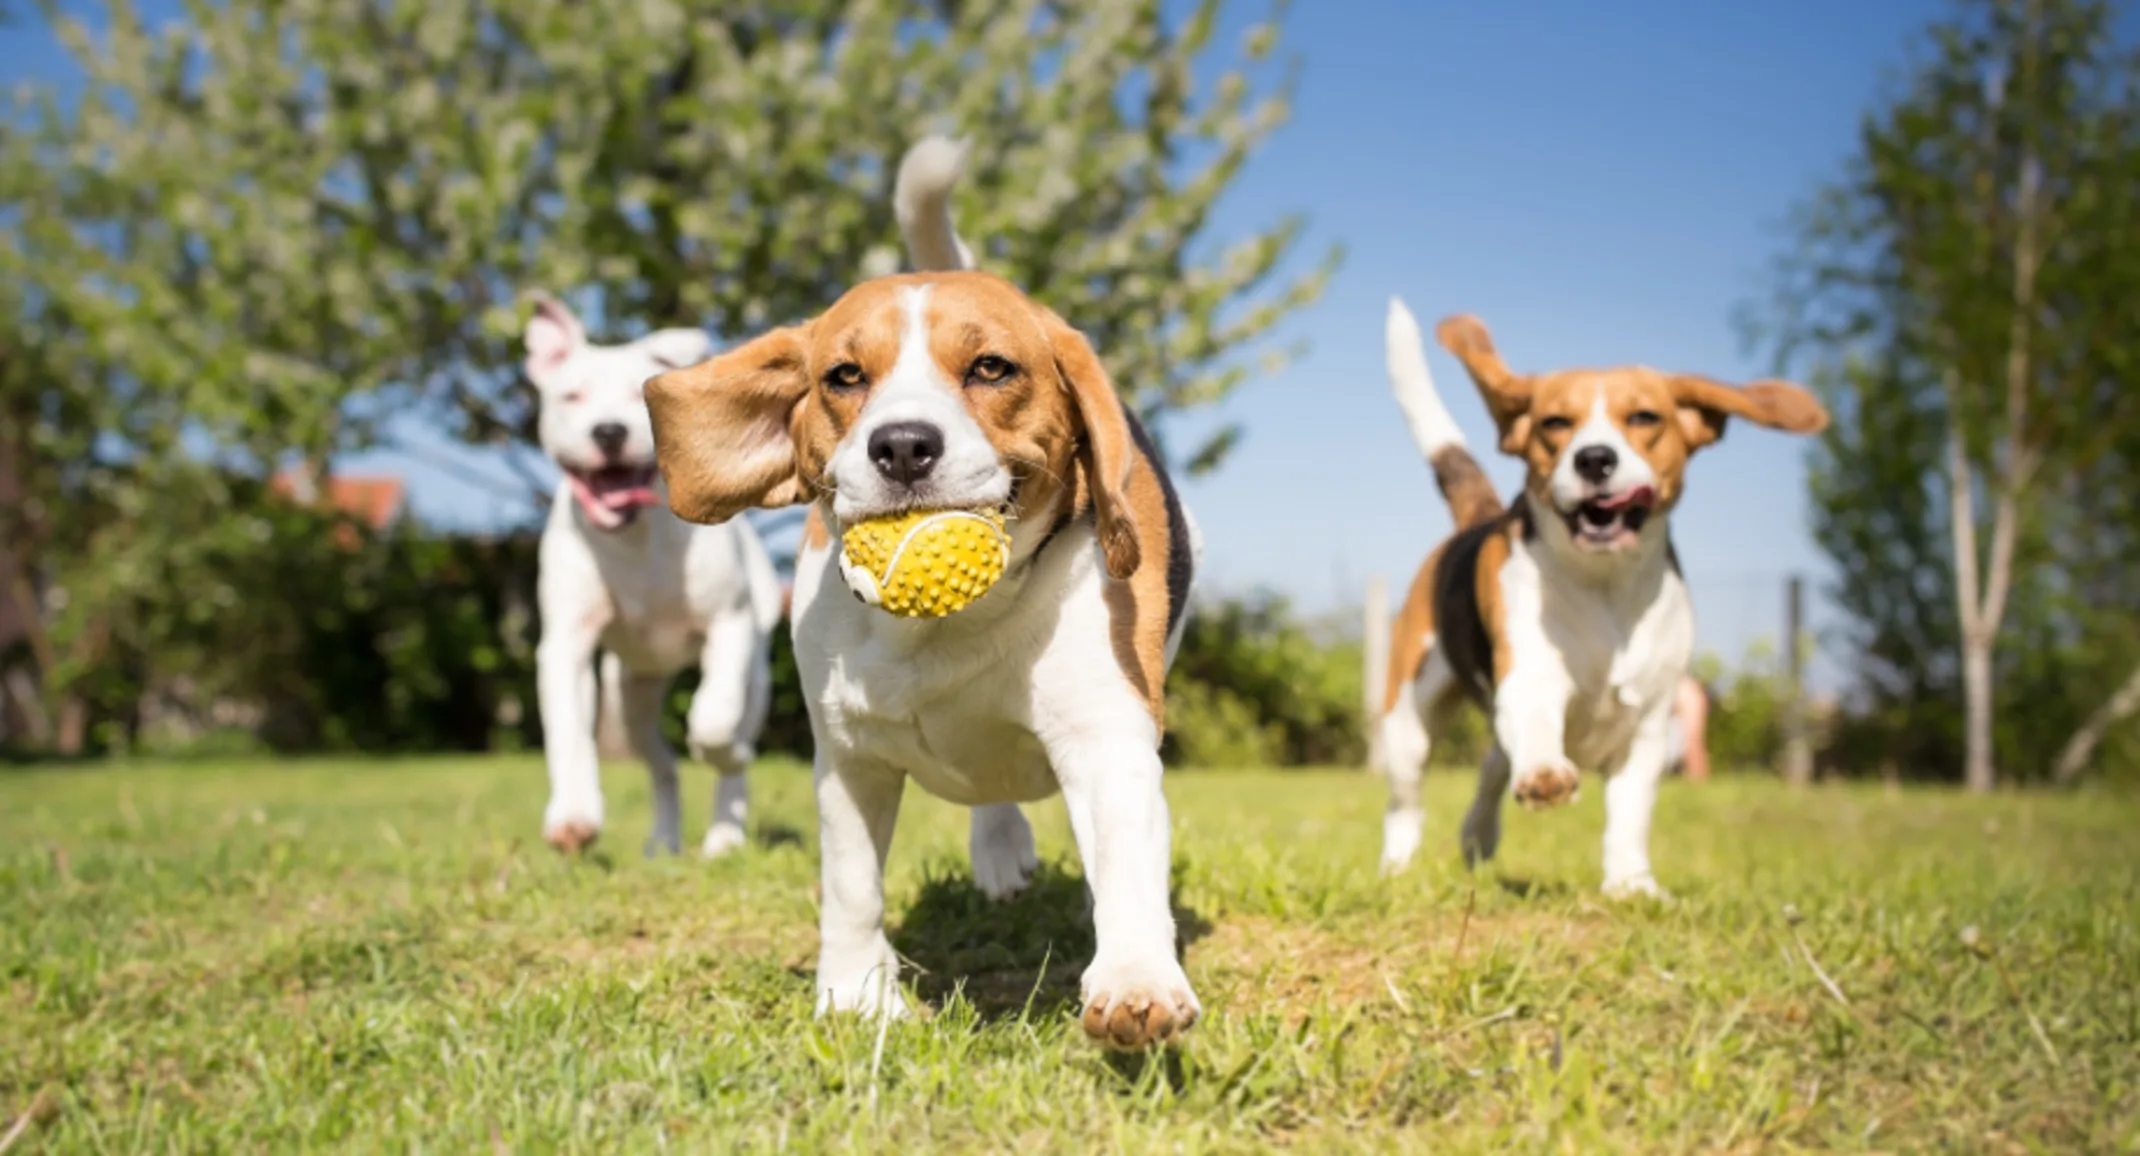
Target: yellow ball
x,y
926,563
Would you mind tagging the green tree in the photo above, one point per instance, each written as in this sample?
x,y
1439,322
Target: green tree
x,y
261,230
1962,293
304,216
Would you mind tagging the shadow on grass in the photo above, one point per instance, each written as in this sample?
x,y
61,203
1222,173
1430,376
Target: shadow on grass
x,y
771,833
1006,957
1161,1064
1526,888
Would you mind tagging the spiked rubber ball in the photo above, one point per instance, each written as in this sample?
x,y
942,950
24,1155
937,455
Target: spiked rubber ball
x,y
926,563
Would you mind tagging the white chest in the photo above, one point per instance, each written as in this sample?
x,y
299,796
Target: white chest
x,y
1616,650
947,701
657,620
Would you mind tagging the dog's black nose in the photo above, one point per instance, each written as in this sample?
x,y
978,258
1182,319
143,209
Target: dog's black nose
x,y
609,437
1594,464
905,451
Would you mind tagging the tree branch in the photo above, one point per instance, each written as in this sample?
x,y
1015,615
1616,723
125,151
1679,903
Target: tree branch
x,y
2079,749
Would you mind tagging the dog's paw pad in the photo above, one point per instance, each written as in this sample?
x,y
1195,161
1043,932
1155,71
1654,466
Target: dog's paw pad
x,y
1132,1015
1548,786
572,836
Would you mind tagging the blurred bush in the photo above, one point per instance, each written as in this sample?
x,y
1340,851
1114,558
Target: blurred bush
x,y
244,614
1257,685
1746,706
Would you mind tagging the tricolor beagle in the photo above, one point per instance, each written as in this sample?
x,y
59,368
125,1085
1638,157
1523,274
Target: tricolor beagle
x,y
954,390
1562,614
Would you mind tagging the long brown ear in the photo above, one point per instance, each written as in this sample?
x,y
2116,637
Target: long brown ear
x,y
1705,404
1508,396
723,429
1107,450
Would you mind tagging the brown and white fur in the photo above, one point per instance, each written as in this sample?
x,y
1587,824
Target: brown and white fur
x,y
954,390
1562,614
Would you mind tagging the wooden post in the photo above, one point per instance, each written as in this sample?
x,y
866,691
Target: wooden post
x,y
1375,657
1797,751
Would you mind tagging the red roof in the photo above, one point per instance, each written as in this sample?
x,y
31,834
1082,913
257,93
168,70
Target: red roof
x,y
374,501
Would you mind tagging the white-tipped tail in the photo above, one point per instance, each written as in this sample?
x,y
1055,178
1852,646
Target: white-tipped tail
x,y
1432,427
921,196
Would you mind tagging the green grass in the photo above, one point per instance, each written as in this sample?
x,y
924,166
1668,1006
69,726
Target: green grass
x,y
378,956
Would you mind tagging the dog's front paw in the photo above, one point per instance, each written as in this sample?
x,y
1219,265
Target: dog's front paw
x,y
1134,1004
721,838
1003,856
1643,886
1400,839
865,982
571,829
1548,785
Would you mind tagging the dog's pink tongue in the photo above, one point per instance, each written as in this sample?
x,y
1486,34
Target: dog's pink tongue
x,y
629,497
597,511
1640,495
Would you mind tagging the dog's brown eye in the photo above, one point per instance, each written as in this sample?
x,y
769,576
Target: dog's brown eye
x,y
1556,425
845,375
988,369
1643,419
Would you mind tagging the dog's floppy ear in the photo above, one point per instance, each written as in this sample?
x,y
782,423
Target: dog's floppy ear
x,y
552,336
724,429
677,348
1107,450
1706,404
1508,395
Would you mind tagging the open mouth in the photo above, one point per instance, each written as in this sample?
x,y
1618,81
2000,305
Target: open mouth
x,y
613,495
1611,520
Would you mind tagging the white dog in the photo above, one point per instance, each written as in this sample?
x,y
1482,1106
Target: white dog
x,y
954,390
622,573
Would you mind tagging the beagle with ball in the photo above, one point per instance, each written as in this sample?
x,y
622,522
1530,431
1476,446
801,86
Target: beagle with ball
x,y
1563,613
952,390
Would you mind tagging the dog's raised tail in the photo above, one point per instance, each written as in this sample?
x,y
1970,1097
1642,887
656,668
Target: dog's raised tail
x,y
921,196
1470,494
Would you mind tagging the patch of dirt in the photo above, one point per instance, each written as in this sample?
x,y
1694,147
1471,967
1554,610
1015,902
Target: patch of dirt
x,y
1256,960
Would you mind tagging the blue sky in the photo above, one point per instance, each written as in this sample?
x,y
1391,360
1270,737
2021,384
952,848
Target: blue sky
x,y
1602,183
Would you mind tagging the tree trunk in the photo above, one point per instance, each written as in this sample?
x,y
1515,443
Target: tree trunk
x,y
1977,769
1976,637
2121,705
1982,593
73,737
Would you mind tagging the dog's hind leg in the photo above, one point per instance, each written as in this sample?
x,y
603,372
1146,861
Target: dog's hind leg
x,y
640,702
726,716
1406,743
1002,845
1481,834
